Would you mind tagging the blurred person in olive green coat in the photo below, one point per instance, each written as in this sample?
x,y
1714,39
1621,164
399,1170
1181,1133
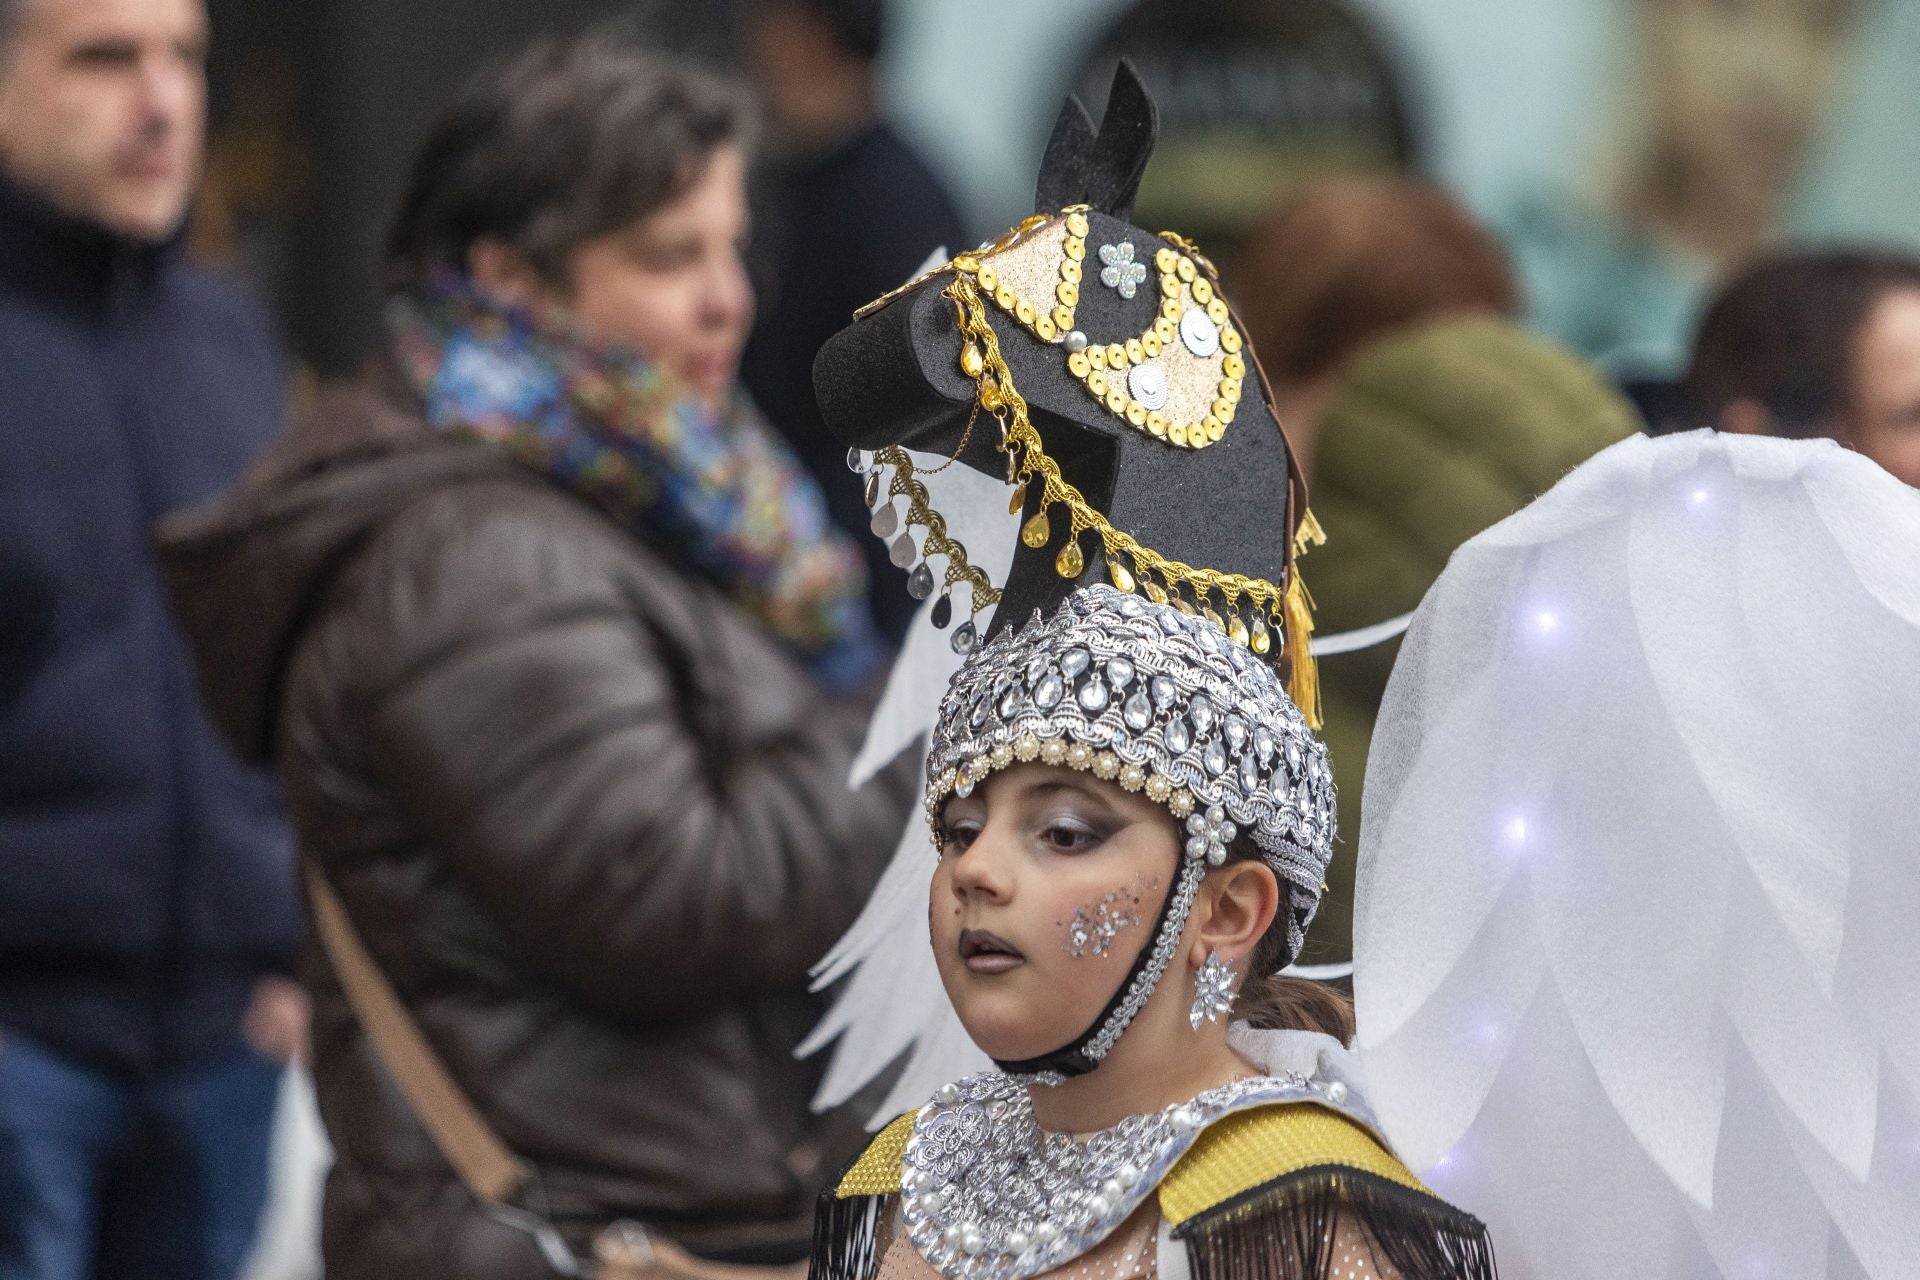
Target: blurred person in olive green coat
x,y
1431,436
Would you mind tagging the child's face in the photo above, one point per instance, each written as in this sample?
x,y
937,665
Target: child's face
x,y
1049,884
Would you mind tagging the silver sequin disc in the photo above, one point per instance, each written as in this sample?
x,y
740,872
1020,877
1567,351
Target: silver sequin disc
x,y
1148,384
1199,333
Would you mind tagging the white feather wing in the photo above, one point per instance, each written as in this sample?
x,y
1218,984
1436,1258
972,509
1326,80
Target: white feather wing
x,y
1639,876
891,1002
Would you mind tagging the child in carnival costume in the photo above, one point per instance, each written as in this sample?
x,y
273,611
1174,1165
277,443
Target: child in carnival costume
x,y
1128,816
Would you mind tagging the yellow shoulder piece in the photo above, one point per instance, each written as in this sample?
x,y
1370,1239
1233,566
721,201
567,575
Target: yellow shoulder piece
x,y
1254,1147
877,1171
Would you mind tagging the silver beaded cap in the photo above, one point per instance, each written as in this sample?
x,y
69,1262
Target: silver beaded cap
x,y
1157,701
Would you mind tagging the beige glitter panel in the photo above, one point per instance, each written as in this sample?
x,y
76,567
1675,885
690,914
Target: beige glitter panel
x,y
1028,279
1179,380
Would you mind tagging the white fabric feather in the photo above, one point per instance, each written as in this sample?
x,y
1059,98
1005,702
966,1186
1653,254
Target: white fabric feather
x,y
1634,951
892,1002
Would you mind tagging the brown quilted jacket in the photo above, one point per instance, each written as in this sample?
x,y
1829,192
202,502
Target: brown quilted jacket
x,y
591,821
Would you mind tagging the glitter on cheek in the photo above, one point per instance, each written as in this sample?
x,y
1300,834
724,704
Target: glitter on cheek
x,y
1093,929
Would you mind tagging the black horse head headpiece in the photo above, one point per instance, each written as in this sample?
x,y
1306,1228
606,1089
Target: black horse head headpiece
x,y
1097,367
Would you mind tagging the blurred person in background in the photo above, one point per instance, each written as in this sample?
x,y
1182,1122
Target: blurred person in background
x,y
848,210
1723,104
556,651
1344,261
147,909
1815,343
1381,310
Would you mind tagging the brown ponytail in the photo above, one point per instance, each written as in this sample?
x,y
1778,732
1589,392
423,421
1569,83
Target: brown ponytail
x,y
1270,1002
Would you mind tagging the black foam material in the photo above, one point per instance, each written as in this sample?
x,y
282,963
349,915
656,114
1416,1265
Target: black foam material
x,y
1100,170
894,377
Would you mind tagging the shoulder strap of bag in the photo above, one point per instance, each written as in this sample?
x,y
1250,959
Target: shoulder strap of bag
x,y
489,1170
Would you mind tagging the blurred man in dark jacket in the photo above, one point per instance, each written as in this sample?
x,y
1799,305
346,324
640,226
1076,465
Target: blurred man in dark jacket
x,y
847,212
145,876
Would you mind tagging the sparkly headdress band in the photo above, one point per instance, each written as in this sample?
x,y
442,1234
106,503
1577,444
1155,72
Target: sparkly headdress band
x,y
1159,702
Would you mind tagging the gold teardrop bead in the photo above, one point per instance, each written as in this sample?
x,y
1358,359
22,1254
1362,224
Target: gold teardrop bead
x,y
1213,617
1262,639
1036,532
1017,501
972,363
1155,592
1121,578
1237,630
1070,563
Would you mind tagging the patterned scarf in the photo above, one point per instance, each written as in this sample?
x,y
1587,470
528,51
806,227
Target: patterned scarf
x,y
720,490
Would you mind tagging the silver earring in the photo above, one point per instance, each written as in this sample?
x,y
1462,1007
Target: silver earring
x,y
1212,991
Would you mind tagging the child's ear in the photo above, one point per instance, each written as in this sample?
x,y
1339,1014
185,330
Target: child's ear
x,y
1241,900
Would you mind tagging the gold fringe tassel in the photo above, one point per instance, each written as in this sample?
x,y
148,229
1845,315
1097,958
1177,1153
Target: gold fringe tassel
x,y
1303,673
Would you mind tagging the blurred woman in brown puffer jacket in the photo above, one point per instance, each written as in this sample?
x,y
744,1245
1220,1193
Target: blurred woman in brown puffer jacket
x,y
548,636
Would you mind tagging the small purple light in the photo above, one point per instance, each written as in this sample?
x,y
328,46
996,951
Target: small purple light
x,y
1546,620
1517,829
1701,497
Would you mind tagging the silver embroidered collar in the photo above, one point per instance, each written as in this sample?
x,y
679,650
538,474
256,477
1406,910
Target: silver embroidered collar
x,y
986,1194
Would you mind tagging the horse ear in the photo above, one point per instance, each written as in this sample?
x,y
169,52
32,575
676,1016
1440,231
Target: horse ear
x,y
1128,130
1103,169
1063,168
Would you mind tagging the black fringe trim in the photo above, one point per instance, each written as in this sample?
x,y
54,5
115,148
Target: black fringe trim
x,y
1284,1230
846,1234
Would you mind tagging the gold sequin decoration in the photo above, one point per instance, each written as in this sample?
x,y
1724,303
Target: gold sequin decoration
x,y
1202,392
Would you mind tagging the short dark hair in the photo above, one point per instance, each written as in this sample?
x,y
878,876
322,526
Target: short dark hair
x,y
566,140
1781,333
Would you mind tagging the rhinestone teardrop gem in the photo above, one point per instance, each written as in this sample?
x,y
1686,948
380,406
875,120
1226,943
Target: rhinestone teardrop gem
x,y
920,582
1262,638
1263,743
1018,500
1201,713
1036,532
1164,692
885,522
1122,578
901,552
1249,775
942,610
1215,757
1047,693
1093,695
1071,562
1073,662
1137,713
1177,736
1120,672
1236,731
963,638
